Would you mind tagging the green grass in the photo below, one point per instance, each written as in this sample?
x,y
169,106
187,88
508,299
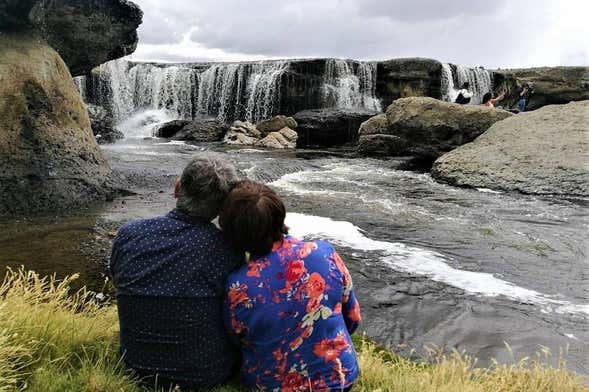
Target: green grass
x,y
52,340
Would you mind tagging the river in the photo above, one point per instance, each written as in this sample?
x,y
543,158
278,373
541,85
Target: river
x,y
469,269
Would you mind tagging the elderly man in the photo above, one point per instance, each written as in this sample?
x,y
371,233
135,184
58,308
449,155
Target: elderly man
x,y
170,273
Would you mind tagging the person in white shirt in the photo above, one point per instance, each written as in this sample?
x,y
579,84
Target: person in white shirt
x,y
464,95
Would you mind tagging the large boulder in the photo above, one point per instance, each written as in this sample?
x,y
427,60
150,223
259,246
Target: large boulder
x,y
103,125
275,124
549,85
200,131
330,127
425,127
541,152
86,33
49,158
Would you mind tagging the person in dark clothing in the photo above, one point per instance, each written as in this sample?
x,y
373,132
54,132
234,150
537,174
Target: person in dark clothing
x,y
464,95
170,275
522,102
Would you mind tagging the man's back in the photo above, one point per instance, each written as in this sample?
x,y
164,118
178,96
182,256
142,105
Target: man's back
x,y
170,274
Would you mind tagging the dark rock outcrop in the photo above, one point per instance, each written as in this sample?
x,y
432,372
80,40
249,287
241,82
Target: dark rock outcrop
x,y
410,77
425,127
550,85
203,130
14,14
86,33
330,127
49,158
103,125
541,152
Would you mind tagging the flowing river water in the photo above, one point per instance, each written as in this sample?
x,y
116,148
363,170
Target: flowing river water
x,y
469,269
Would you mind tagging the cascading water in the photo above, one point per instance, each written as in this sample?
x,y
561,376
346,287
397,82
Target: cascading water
x,y
350,85
231,91
454,76
248,91
80,82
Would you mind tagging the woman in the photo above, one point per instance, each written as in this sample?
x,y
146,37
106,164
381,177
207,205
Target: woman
x,y
489,101
291,306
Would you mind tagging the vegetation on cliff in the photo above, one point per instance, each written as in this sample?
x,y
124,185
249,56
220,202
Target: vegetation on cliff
x,y
54,340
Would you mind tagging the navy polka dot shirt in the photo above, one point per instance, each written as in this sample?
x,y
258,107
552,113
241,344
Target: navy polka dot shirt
x,y
170,276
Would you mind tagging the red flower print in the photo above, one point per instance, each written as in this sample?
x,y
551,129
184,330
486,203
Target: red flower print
x,y
237,295
313,304
315,285
293,382
306,249
254,268
330,349
354,313
295,270
337,309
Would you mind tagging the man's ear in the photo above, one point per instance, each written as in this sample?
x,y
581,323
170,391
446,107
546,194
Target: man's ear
x,y
177,188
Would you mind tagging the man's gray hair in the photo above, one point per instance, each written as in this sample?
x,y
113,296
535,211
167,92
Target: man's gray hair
x,y
204,185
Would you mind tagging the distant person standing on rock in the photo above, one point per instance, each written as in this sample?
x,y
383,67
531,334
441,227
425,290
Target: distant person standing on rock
x,y
522,102
489,101
464,94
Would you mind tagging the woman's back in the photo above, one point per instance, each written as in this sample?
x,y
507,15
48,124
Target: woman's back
x,y
294,311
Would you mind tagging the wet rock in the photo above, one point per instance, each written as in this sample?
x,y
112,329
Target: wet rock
x,y
541,152
285,138
549,85
275,124
85,33
201,131
171,128
49,159
103,125
242,133
330,127
425,127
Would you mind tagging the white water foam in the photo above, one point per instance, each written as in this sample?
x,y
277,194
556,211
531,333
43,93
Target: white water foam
x,y
144,124
423,262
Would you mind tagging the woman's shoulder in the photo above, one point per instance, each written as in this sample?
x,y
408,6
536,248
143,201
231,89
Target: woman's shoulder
x,y
311,249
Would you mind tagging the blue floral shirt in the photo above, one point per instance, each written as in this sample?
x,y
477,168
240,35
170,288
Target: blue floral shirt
x,y
293,312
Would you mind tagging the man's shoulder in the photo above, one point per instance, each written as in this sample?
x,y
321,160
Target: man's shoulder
x,y
142,224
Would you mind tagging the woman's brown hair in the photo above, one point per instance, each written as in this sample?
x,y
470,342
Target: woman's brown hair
x,y
253,218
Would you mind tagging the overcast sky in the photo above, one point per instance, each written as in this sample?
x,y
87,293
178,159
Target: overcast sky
x,y
497,33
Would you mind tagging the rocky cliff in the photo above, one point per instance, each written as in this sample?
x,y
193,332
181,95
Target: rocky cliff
x,y
49,158
548,85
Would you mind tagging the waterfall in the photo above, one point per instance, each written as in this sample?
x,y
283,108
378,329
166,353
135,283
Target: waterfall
x,y
250,91
80,82
454,76
350,84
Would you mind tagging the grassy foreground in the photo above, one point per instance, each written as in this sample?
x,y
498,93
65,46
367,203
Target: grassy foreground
x,y
52,340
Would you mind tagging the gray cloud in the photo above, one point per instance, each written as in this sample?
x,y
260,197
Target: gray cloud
x,y
490,33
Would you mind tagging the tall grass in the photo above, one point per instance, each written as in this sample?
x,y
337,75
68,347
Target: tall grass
x,y
54,340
